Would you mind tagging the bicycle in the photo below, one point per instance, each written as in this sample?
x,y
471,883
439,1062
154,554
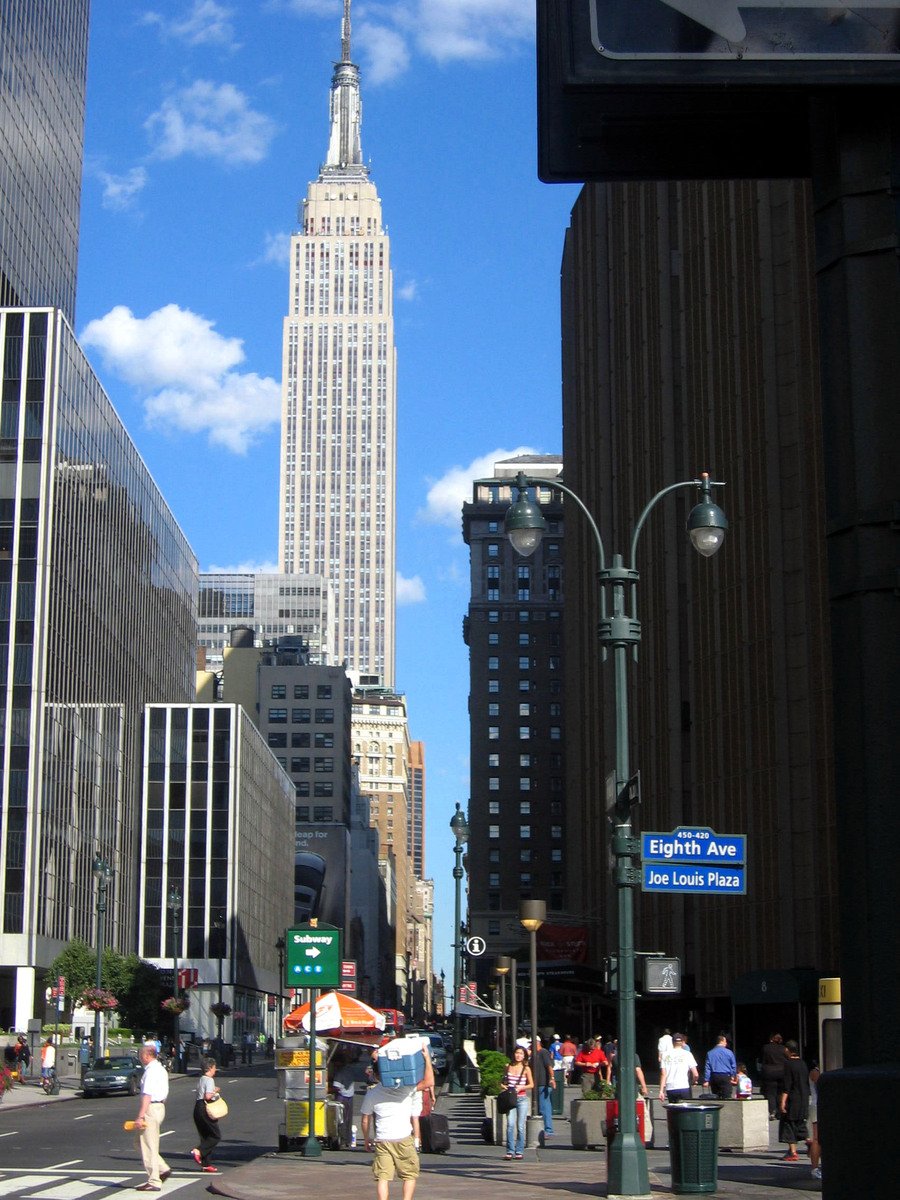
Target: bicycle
x,y
50,1083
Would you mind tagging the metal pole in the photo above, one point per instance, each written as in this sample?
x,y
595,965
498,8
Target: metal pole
x,y
177,1036
101,915
502,1045
455,1083
514,1006
312,1147
532,946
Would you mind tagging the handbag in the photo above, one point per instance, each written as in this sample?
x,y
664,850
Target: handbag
x,y
216,1109
506,1101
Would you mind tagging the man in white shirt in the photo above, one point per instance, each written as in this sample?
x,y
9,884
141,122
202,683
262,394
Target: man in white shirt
x,y
679,1070
391,1111
150,1116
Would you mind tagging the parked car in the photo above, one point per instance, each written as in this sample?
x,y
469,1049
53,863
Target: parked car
x,y
107,1075
438,1052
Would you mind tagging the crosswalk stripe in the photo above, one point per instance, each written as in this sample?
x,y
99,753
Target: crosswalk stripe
x,y
10,1185
75,1189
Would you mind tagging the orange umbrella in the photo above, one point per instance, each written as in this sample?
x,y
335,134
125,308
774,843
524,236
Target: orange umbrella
x,y
341,1017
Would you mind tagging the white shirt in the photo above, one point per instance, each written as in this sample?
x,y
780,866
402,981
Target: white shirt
x,y
664,1046
393,1109
677,1065
155,1082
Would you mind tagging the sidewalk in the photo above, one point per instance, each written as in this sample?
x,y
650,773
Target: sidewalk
x,y
558,1170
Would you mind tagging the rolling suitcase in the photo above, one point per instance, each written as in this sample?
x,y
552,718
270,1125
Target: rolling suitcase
x,y
435,1134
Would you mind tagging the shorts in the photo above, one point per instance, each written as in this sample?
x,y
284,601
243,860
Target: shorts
x,y
395,1160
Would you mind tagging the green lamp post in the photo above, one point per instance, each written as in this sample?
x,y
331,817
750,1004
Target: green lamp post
x,y
103,874
460,827
619,629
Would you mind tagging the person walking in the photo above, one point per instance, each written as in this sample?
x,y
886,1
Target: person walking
x,y
679,1071
23,1056
48,1058
518,1078
150,1116
720,1071
390,1111
592,1063
569,1050
207,1126
772,1072
545,1084
793,1101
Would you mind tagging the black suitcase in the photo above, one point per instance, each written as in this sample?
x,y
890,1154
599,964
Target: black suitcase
x,y
435,1132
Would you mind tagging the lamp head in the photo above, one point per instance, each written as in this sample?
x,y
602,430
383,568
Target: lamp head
x,y
173,901
532,914
101,870
706,523
503,964
524,523
460,826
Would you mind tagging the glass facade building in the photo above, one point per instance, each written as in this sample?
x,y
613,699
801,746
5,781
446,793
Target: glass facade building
x,y
43,64
97,586
218,826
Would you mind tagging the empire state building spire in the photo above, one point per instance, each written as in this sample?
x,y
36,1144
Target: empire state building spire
x,y
344,158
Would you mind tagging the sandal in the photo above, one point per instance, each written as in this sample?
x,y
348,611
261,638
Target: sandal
x,y
507,1158
520,1156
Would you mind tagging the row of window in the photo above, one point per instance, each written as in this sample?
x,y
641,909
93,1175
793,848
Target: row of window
x,y
525,733
556,832
526,879
301,716
554,904
554,640
525,662
320,812
300,741
302,787
301,691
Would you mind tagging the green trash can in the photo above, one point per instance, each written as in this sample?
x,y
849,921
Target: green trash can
x,y
693,1147
558,1095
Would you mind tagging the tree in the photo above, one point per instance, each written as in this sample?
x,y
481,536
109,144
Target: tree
x,y
139,1001
78,965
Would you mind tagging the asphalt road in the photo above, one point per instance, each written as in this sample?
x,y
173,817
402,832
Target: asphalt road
x,y
78,1148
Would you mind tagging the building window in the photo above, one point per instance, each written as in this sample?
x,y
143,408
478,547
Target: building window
x,y
493,928
556,832
301,812
299,765
323,691
493,855
324,716
493,881
493,615
300,716
554,662
493,733
323,812
525,710
524,639
493,831
278,716
493,639
494,783
524,832
324,741
524,685
524,879
524,760
525,783
524,663
493,663
493,550
301,691
279,691
525,856
493,760
555,733
555,762
493,709
299,741
555,710
525,808
494,808
556,856
494,901
277,741
524,733
493,686
302,789
324,789
324,766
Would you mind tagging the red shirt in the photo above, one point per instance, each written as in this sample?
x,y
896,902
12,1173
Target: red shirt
x,y
569,1049
591,1061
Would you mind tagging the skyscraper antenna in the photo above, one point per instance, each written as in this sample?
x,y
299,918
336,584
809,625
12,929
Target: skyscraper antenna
x,y
345,33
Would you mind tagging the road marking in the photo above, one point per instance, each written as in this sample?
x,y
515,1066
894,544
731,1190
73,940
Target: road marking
x,y
168,1133
75,1189
73,1162
260,1099
12,1133
84,1117
8,1186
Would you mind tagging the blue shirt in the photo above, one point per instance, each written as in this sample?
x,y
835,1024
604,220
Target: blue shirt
x,y
720,1061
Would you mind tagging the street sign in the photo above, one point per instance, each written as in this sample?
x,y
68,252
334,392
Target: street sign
x,y
348,976
475,946
312,956
694,844
666,877
746,30
660,975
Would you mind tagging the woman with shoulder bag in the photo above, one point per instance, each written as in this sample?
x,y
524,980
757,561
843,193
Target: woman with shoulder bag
x,y
207,1125
518,1082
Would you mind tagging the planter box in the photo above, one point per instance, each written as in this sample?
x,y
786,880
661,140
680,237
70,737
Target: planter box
x,y
497,1120
586,1118
744,1124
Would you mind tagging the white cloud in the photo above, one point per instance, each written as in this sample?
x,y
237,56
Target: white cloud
x,y
185,372
384,50
410,591
210,121
277,249
408,290
207,23
244,568
443,505
121,191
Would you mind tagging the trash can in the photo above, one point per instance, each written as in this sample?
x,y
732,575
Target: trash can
x,y
693,1147
558,1095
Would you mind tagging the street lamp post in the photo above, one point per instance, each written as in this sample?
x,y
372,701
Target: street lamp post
x,y
532,914
460,827
102,873
619,629
502,967
219,925
174,905
280,947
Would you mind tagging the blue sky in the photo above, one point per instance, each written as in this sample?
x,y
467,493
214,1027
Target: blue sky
x,y
205,122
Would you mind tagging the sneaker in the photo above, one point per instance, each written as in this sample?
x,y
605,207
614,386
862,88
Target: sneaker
x,y
791,1158
507,1158
195,1155
520,1156
816,1172
210,1170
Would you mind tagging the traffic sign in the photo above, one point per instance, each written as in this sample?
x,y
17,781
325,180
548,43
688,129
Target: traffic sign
x,y
694,844
476,946
312,956
660,974
669,877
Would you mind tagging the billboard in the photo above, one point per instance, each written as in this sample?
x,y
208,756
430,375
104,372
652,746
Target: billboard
x,y
322,874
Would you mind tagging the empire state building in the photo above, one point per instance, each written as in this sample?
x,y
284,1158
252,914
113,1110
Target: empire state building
x,y
338,424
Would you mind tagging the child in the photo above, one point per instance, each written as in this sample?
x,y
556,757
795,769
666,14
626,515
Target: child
x,y
744,1083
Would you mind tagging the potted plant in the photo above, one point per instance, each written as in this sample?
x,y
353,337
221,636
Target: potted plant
x,y
98,1000
587,1117
176,1004
491,1070
6,1080
220,1010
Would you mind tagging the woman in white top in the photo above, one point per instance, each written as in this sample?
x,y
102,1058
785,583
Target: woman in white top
x,y
206,1126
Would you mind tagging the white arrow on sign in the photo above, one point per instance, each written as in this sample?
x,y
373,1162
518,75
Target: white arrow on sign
x,y
723,16
313,952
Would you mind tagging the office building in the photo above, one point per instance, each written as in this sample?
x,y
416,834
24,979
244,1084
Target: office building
x,y
520,840
217,828
272,606
690,344
43,48
338,429
97,586
415,827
